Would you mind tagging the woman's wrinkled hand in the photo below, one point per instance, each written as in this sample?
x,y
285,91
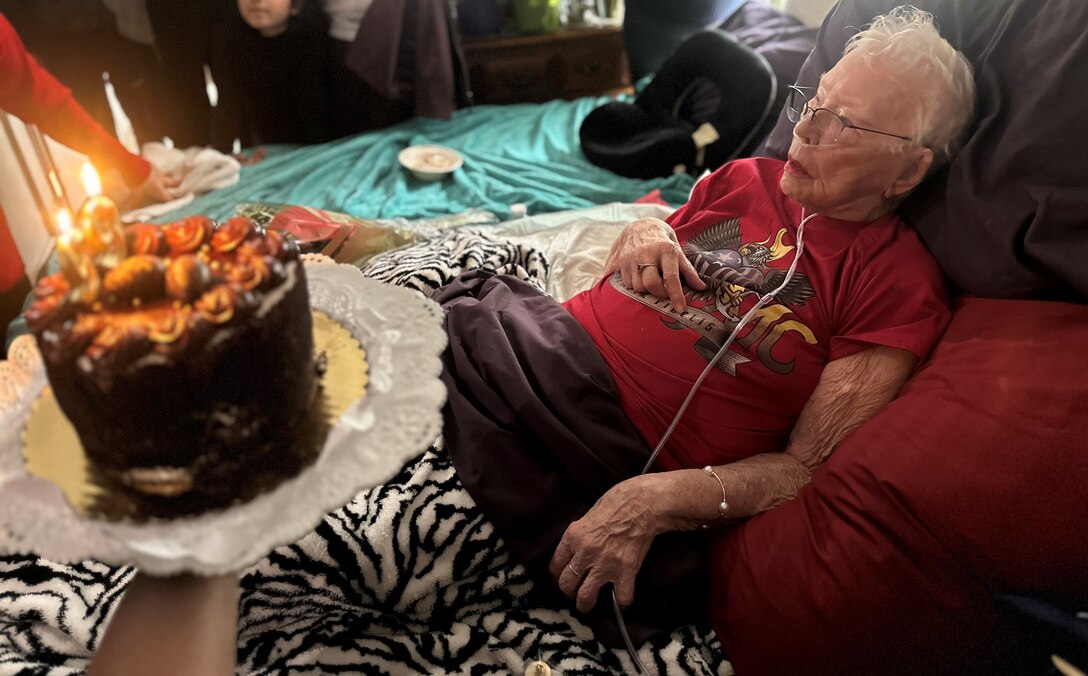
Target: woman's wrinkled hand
x,y
649,259
608,544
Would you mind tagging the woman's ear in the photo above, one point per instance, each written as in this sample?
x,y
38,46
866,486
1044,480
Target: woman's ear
x,y
916,169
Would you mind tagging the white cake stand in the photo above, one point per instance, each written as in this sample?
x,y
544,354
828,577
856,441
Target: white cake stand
x,y
399,416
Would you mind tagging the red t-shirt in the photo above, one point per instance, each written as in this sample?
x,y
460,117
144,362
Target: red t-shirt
x,y
856,286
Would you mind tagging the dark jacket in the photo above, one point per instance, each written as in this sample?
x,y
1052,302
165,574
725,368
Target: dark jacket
x,y
272,90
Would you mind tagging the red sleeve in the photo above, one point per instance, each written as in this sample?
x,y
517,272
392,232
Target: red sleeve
x,y
892,293
11,263
30,93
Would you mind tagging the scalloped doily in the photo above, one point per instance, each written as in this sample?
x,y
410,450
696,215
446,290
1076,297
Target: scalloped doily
x,y
401,414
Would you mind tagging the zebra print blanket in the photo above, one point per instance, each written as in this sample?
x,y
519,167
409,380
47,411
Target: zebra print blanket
x,y
407,578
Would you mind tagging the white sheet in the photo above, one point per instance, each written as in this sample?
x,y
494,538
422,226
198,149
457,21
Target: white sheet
x,y
576,242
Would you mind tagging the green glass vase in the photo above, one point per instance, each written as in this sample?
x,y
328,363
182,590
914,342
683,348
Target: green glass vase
x,y
536,16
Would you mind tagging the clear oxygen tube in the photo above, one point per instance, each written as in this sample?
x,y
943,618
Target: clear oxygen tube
x,y
763,300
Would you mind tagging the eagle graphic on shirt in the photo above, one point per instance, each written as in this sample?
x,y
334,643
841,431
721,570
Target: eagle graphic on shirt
x,y
734,270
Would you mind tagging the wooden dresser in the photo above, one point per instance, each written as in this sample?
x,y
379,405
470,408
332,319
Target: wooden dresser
x,y
568,63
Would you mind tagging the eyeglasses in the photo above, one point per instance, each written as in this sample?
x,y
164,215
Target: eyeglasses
x,y
830,124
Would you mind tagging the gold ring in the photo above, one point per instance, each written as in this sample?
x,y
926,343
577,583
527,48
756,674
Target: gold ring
x,y
643,266
576,573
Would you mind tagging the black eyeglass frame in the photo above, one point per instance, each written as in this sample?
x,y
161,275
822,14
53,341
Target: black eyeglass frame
x,y
794,114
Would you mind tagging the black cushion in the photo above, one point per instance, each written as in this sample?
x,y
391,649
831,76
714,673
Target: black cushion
x,y
712,78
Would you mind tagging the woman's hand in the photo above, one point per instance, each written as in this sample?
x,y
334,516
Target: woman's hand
x,y
649,259
608,544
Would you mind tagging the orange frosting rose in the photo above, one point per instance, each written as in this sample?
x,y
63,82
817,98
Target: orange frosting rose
x,y
186,235
217,305
230,234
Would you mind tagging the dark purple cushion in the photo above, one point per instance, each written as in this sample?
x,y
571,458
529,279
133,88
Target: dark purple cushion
x,y
1009,216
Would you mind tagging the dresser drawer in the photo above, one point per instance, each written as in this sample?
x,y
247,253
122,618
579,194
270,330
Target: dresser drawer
x,y
533,68
513,79
591,69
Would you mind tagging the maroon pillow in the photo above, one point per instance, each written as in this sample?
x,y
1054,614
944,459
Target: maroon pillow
x,y
973,483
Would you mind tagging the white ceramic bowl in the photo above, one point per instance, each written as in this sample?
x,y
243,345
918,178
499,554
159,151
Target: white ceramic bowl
x,y
430,163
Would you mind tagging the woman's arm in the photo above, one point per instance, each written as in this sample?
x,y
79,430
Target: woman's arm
x,y
610,541
850,391
30,93
172,625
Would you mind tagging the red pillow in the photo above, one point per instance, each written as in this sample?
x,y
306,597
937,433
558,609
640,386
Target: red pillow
x,y
973,483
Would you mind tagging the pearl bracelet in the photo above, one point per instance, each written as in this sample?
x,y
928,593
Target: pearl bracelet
x,y
723,506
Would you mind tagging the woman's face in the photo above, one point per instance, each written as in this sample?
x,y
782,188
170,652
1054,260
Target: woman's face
x,y
859,176
270,17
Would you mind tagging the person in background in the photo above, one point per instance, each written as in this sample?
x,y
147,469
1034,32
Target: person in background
x,y
410,53
30,93
344,17
269,60
84,43
183,36
14,285
154,51
76,41
134,70
362,107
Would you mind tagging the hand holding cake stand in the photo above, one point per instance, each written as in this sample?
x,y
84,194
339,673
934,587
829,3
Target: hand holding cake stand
x,y
49,506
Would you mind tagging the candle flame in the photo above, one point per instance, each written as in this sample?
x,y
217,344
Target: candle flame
x,y
91,183
64,222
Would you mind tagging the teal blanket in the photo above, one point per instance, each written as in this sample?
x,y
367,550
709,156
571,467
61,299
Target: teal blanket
x,y
527,153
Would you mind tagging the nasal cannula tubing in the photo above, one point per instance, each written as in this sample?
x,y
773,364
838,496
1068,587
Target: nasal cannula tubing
x,y
763,300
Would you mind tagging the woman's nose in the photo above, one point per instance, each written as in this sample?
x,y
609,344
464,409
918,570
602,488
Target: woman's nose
x,y
803,130
808,131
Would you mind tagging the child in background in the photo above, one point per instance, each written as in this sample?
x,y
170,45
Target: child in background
x,y
270,61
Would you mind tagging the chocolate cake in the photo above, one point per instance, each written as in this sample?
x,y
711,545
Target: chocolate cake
x,y
193,362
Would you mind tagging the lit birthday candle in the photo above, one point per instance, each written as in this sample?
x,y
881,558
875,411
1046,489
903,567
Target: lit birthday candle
x,y
75,261
100,223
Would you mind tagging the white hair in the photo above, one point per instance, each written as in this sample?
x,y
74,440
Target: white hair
x,y
908,38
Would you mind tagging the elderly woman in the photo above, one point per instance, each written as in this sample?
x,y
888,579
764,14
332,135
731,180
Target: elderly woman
x,y
863,304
